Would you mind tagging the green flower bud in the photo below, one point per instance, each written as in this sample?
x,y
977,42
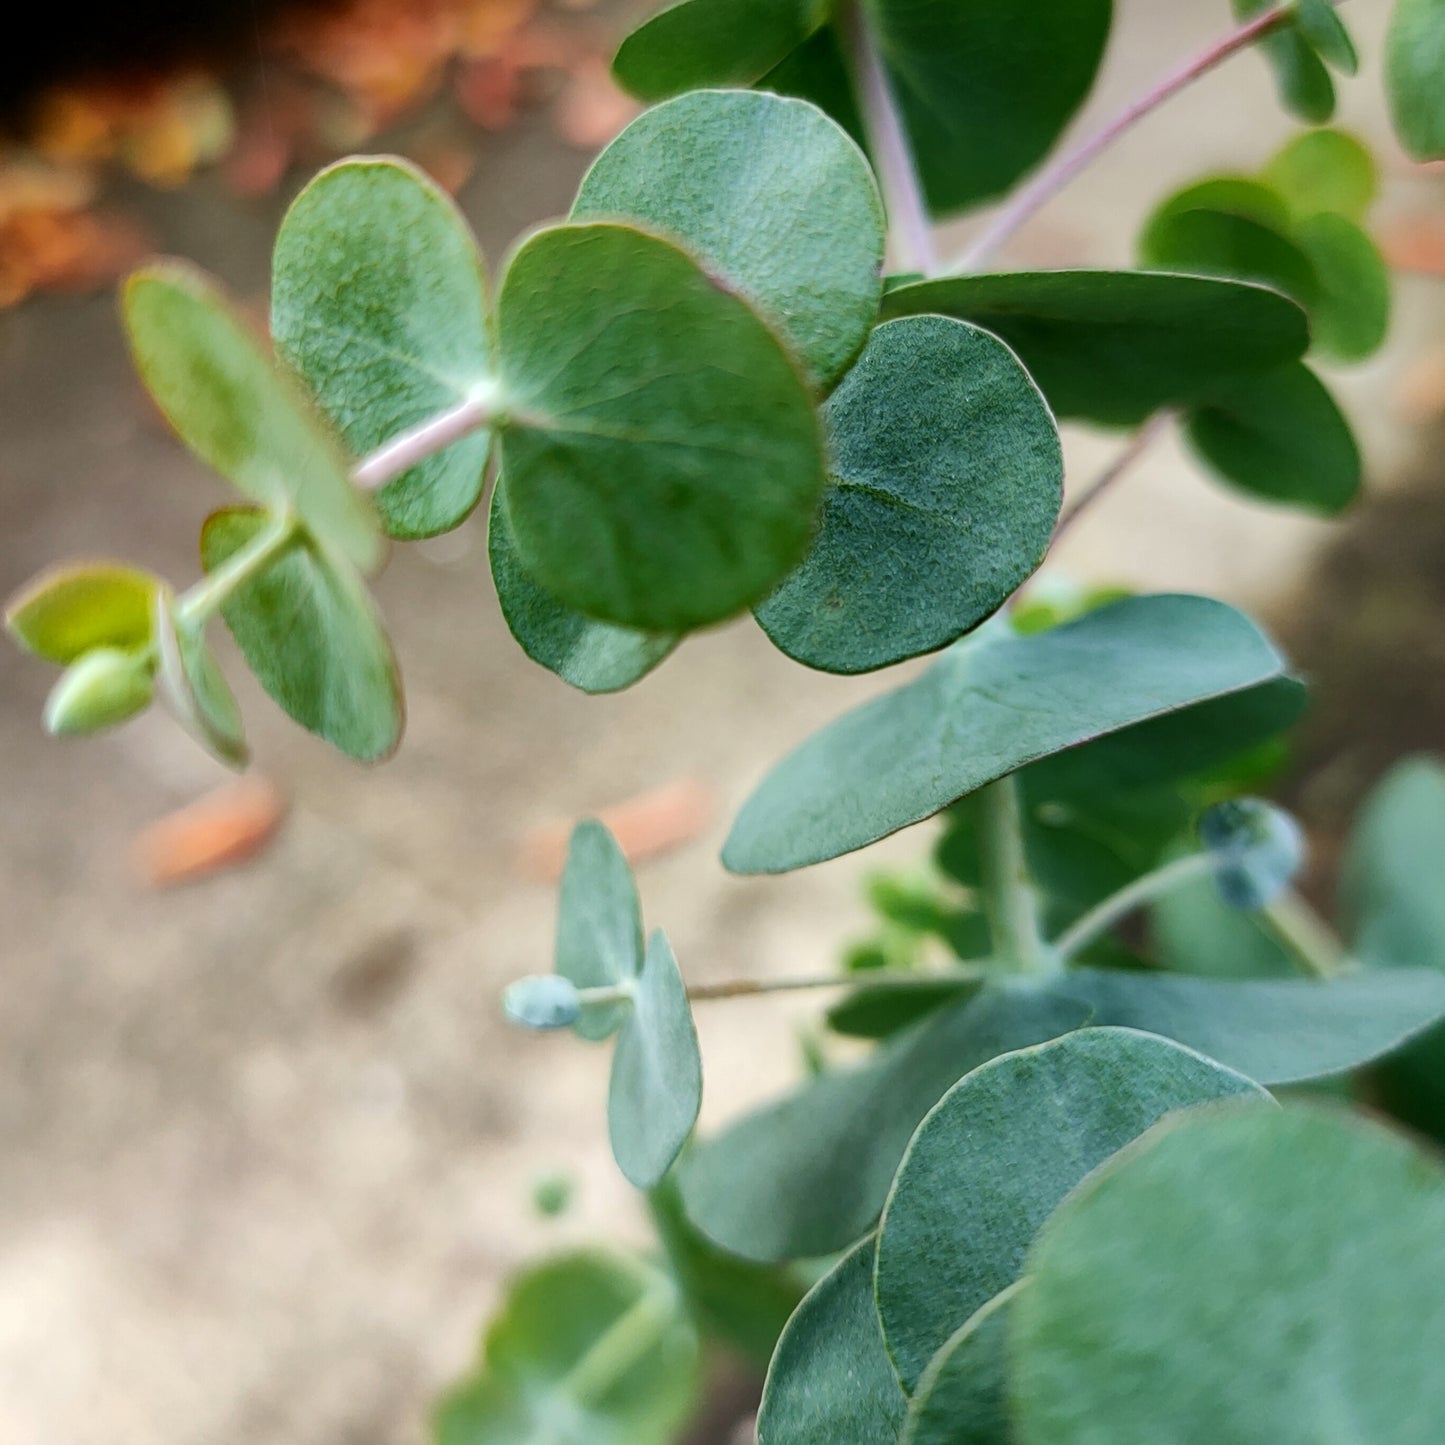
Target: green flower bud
x,y
104,687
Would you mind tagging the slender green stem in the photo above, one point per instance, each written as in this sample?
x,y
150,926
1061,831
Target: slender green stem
x,y
1008,893
1120,467
910,228
482,408
891,978
1054,177
1103,916
618,1349
1306,935
212,593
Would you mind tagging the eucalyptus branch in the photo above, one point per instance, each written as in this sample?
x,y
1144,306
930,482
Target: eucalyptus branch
x,y
1071,163
401,453
1103,916
881,978
1121,466
1008,893
909,223
1307,937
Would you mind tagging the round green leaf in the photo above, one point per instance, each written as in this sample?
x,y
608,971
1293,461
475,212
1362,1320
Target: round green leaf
x,y
1115,346
379,303
696,43
195,687
961,1397
1305,87
1320,26
1351,310
599,924
102,688
996,1155
69,610
947,480
663,460
986,90
830,1381
1324,170
310,632
588,1349
1246,1277
239,412
656,1088
807,1174
1280,437
1414,63
593,656
771,196
1231,228
988,707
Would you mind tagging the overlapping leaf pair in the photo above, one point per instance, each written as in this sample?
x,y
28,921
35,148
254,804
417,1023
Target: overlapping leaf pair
x,y
1064,1254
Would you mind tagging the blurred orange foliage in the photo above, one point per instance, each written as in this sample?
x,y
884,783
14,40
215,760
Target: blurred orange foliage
x,y
328,81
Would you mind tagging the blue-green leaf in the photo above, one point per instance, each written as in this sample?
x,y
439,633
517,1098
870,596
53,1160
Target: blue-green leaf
x,y
947,480
985,709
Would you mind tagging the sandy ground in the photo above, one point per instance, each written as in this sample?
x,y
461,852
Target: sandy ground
x,y
266,1146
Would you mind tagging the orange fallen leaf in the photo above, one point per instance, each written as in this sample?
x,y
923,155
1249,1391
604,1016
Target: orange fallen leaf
x,y
1421,393
224,828
1416,244
645,826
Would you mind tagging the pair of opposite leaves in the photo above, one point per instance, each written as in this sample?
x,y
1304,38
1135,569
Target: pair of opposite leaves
x,y
1055,1264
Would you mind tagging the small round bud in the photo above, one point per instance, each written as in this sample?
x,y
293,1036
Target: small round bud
x,y
1260,849
101,689
544,1001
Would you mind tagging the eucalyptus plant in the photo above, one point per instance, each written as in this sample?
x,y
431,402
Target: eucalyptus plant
x,y
1070,1193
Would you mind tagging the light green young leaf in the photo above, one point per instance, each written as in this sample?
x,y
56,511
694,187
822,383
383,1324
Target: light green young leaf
x,y
309,630
1351,311
656,1088
947,480
962,1397
696,43
1324,170
663,460
599,923
68,610
996,1155
1115,346
593,656
193,684
771,196
1414,63
988,707
103,687
379,304
830,1381
588,1349
239,412
809,1173
1280,437
1332,1230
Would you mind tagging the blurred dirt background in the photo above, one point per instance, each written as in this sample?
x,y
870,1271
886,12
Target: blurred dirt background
x,y
266,1147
